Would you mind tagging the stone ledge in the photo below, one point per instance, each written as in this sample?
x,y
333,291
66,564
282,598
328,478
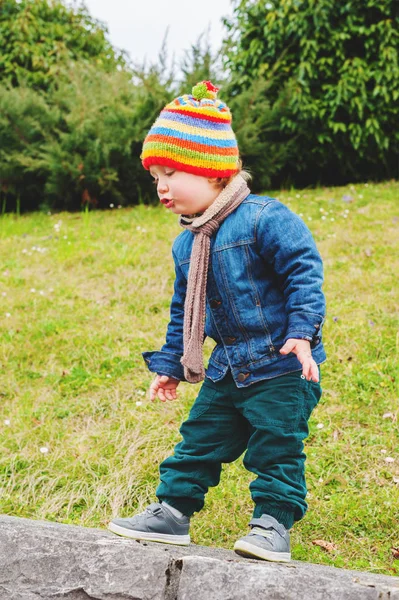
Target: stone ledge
x,y
41,560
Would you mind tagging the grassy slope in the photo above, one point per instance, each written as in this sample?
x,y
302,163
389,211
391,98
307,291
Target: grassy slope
x,y
83,295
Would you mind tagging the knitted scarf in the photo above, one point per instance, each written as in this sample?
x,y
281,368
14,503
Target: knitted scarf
x,y
203,227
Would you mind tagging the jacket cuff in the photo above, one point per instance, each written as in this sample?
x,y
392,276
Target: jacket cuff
x,y
305,326
164,363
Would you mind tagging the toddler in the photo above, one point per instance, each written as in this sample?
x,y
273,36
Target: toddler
x,y
249,276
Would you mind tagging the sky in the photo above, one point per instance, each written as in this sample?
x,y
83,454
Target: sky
x,y
139,26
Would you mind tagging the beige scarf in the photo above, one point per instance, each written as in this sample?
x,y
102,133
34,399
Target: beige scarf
x,y
203,227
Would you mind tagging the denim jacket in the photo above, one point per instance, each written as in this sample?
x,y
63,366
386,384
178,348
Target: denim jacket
x,y
264,286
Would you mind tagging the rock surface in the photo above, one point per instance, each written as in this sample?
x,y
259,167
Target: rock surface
x,y
44,561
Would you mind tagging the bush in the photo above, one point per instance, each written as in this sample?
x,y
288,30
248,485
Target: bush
x,y
73,114
40,37
328,73
80,143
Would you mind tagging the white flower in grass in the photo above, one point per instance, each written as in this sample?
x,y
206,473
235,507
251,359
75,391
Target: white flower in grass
x,y
32,290
3,294
8,315
44,450
7,422
320,425
383,451
139,403
389,459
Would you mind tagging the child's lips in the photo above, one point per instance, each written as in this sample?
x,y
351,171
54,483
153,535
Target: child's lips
x,y
166,202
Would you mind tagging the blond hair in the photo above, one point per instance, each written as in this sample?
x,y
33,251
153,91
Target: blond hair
x,y
222,182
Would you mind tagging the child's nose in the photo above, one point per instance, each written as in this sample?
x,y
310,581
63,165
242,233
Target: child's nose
x,y
162,187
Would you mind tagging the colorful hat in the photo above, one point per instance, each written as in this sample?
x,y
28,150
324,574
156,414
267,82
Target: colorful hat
x,y
193,133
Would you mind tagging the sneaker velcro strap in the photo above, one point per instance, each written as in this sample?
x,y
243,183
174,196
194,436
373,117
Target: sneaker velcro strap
x,y
155,508
267,522
266,533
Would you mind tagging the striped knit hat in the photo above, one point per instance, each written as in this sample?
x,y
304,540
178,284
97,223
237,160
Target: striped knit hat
x,y
193,133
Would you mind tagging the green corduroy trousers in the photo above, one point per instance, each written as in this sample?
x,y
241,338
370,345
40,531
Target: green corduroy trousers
x,y
268,421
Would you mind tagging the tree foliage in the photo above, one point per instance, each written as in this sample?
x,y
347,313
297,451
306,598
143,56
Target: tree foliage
x,y
328,73
72,123
313,86
79,144
39,37
199,63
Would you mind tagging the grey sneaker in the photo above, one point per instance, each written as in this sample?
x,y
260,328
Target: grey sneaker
x,y
268,539
155,524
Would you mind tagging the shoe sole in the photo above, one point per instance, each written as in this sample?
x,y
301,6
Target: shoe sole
x,y
250,550
163,538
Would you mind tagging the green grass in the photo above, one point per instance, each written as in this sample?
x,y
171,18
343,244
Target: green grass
x,y
82,295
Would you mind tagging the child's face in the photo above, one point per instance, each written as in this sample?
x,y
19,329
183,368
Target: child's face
x,y
183,193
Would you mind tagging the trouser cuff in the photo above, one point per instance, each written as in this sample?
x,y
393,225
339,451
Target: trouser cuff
x,y
185,505
283,516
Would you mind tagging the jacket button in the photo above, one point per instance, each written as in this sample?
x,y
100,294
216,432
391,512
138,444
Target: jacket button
x,y
229,340
215,303
242,376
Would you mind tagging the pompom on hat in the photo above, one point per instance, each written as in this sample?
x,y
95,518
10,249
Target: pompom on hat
x,y
193,133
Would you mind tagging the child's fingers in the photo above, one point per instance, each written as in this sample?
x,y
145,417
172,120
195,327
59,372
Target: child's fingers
x,y
310,370
161,394
288,346
154,389
305,358
306,370
314,372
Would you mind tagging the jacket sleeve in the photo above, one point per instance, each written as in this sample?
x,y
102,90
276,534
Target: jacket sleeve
x,y
288,246
167,360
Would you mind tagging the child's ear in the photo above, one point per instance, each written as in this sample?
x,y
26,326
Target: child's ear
x,y
215,181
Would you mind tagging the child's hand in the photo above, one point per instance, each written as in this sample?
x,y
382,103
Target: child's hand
x,y
164,387
301,348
